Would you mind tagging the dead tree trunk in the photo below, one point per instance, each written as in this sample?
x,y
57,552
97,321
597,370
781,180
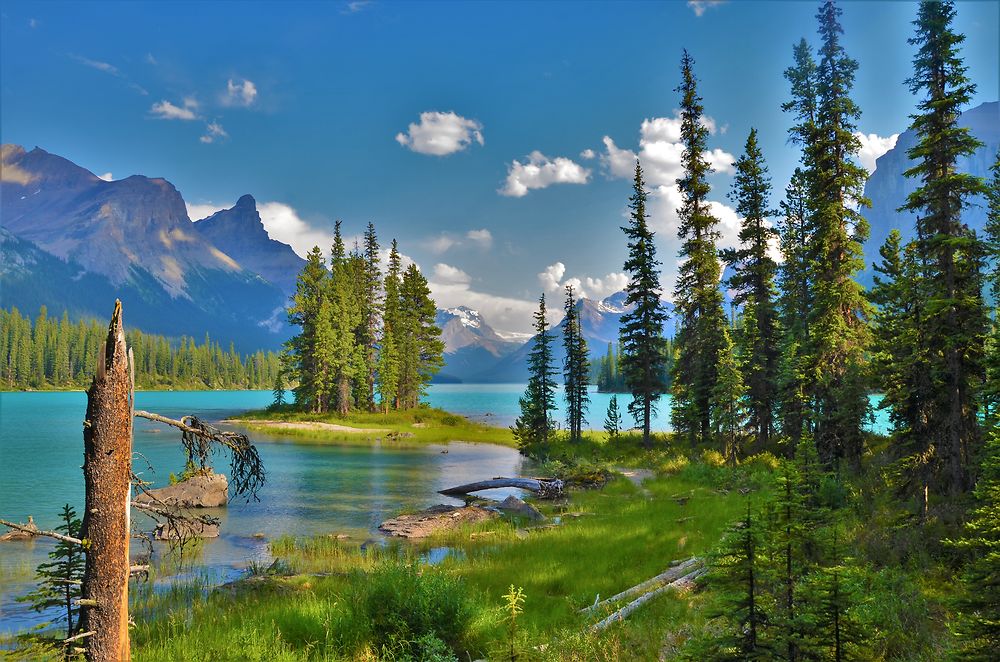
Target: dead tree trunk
x,y
107,467
545,488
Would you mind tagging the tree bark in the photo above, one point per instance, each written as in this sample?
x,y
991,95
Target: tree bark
x,y
542,487
670,575
107,468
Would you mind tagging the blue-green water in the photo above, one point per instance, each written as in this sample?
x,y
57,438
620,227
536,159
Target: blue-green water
x,y
310,489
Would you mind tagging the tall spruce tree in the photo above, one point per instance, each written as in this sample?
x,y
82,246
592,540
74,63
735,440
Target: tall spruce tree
x,y
576,369
991,395
388,355
305,313
729,413
839,333
643,348
371,315
421,348
753,281
794,304
533,428
346,315
697,297
955,320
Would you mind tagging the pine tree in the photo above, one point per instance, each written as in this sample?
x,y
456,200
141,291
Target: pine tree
x,y
59,580
371,315
421,349
991,394
576,369
641,332
278,391
533,427
839,334
346,316
613,420
729,415
305,313
753,281
697,298
388,365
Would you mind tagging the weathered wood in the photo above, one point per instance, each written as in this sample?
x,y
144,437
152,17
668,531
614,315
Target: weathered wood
x,y
682,583
671,574
39,532
543,487
107,471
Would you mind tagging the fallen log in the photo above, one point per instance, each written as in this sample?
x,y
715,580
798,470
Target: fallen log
x,y
545,488
683,583
666,577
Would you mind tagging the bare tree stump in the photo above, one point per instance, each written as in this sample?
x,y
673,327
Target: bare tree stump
x,y
107,466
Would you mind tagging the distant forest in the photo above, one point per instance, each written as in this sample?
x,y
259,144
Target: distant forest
x,y
49,353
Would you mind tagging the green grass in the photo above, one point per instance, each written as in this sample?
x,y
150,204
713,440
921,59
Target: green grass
x,y
406,428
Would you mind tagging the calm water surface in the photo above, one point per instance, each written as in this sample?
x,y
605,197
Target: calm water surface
x,y
310,489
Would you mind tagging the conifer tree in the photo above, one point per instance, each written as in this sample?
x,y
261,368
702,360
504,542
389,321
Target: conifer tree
x,y
729,414
278,391
642,344
991,395
421,349
371,315
59,580
345,317
839,334
388,361
576,369
533,427
753,281
613,420
305,313
697,298
955,321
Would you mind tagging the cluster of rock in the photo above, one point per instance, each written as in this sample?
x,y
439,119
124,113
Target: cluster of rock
x,y
442,518
200,491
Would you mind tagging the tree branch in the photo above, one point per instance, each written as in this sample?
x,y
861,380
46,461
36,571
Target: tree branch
x,y
39,532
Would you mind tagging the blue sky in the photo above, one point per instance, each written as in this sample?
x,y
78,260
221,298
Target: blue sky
x,y
492,192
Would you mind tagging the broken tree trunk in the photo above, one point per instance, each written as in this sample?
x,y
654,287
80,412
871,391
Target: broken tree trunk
x,y
543,487
683,583
670,575
107,470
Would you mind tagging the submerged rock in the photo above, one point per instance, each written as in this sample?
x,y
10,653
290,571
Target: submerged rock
x,y
435,519
518,508
201,491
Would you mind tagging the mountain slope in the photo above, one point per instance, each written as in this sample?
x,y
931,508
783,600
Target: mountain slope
x,y
471,345
131,237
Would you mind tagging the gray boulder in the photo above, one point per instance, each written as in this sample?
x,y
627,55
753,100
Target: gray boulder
x,y
201,491
518,508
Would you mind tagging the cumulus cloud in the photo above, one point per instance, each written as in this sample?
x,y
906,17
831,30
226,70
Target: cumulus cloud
x,y
213,132
482,238
441,134
281,221
872,147
446,274
505,314
440,244
538,172
588,154
106,177
239,93
446,241
699,7
165,110
552,281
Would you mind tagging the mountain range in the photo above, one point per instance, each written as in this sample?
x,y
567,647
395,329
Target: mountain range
x,y
72,241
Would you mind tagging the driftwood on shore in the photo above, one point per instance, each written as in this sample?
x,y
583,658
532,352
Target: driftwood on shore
x,y
671,574
684,583
545,488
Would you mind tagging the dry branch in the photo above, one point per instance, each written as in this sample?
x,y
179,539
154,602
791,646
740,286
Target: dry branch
x,y
682,583
545,488
39,532
666,577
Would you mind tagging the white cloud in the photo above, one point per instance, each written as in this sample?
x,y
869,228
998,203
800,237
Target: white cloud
x,y
482,238
539,172
699,7
445,274
872,147
213,132
505,314
355,6
440,244
239,93
592,288
282,222
165,110
106,177
588,154
33,23
441,134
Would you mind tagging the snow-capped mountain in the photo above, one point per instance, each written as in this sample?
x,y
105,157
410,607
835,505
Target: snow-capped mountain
x,y
471,345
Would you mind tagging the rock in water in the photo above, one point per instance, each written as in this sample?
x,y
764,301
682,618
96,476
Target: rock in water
x,y
434,520
201,491
183,529
518,508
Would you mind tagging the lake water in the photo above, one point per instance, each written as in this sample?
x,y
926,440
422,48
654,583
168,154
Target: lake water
x,y
310,489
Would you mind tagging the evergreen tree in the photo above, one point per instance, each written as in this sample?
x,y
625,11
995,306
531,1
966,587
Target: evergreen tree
x,y
839,334
753,281
729,415
794,304
305,313
421,350
533,427
697,298
613,420
279,390
576,369
59,580
641,332
991,394
955,318
388,366
371,315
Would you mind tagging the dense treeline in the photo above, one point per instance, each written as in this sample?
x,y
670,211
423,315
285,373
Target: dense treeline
x,y
57,353
366,340
792,373
606,371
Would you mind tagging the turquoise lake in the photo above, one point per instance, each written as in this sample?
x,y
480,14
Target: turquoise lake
x,y
310,489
